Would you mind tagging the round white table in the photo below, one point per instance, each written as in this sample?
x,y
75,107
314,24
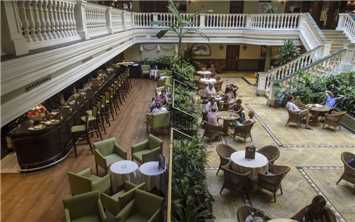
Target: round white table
x,y
208,81
259,164
152,174
121,171
204,73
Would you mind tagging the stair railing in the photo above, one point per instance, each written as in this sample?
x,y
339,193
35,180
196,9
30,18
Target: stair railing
x,y
347,24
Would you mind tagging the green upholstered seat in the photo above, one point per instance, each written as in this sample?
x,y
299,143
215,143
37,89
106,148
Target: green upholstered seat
x,y
148,149
116,202
137,209
78,128
86,207
157,121
107,152
85,181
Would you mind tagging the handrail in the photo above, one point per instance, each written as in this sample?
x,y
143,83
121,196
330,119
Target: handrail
x,y
346,23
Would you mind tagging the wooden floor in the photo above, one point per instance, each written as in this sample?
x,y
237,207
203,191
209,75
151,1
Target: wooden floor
x,y
38,196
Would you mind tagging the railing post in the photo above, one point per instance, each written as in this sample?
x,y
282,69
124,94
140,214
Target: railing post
x,y
326,48
340,22
248,21
202,20
261,90
109,20
155,20
17,42
80,17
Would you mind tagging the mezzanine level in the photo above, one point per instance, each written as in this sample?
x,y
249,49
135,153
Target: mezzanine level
x,y
59,42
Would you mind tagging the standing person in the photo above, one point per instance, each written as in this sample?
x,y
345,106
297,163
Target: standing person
x,y
212,117
331,100
304,113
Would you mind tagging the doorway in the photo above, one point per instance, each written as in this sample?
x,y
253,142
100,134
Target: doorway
x,y
232,54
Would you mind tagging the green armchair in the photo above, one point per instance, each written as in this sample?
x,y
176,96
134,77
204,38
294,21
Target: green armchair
x,y
116,202
148,150
107,152
157,121
138,210
84,181
84,207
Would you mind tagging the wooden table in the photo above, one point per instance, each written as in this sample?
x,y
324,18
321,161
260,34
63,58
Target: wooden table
x,y
227,117
317,110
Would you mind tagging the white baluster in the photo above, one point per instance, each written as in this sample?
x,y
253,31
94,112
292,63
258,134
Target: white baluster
x,y
24,20
37,18
32,25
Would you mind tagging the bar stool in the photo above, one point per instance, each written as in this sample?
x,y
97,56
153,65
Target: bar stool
x,y
80,132
93,122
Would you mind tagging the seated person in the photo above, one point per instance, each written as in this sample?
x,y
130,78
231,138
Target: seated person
x,y
163,98
209,91
210,105
331,100
238,109
317,211
159,108
212,117
292,107
229,95
250,119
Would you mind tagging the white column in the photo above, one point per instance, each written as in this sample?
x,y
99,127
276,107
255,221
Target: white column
x,y
202,20
80,17
109,20
19,43
267,58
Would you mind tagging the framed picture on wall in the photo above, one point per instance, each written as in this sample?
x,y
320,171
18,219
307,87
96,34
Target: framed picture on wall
x,y
201,50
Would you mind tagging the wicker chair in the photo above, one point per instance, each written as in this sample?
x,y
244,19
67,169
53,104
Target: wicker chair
x,y
272,181
245,211
233,180
333,119
271,152
213,132
294,117
224,152
244,131
349,171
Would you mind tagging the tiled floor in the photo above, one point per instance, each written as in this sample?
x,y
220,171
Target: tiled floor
x,y
313,155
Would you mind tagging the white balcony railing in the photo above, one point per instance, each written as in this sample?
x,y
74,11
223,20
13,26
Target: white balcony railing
x,y
37,24
347,24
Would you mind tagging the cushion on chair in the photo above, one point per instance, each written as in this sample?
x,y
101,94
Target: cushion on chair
x,y
139,155
78,128
112,158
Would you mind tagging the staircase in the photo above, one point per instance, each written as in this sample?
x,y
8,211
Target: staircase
x,y
337,39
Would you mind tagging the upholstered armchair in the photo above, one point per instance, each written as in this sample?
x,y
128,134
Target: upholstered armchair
x,y
116,202
84,207
142,206
271,180
333,119
224,152
147,150
158,121
244,211
145,70
84,181
271,152
234,181
244,131
107,152
349,171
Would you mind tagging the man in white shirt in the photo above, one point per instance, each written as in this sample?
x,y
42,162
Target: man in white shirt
x,y
304,113
212,117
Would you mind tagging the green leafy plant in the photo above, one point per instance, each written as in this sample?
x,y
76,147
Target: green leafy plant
x,y
181,25
183,71
192,201
288,52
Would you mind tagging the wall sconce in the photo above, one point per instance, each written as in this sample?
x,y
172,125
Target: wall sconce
x,y
245,47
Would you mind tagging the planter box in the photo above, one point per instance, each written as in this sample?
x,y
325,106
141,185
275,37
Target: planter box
x,y
348,122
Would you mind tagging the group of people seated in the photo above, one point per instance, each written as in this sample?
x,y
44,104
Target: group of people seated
x,y
304,112
159,102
